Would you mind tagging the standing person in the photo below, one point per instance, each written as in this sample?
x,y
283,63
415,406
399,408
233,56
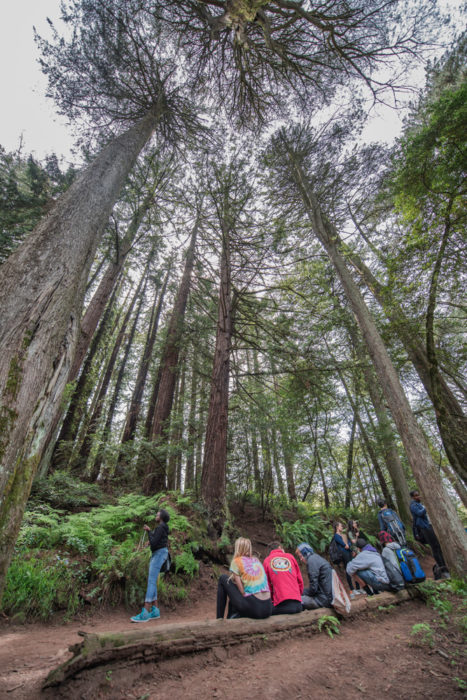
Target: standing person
x,y
284,579
423,529
389,521
345,549
353,533
319,592
247,588
158,541
367,568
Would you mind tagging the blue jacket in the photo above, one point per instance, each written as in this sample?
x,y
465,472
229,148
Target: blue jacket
x,y
341,542
419,515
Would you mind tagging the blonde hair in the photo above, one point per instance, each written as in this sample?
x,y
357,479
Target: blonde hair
x,y
243,547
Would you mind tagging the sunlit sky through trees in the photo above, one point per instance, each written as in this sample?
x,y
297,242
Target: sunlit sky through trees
x,y
28,115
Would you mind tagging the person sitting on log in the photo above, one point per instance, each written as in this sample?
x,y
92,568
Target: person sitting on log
x,y
285,580
368,570
246,588
158,541
319,592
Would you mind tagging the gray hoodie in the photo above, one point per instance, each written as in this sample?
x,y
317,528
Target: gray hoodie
x,y
391,564
368,560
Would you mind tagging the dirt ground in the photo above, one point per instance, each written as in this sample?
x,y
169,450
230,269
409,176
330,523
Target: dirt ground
x,y
373,656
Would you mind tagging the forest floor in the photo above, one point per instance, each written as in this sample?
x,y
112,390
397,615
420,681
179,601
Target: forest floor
x,y
374,655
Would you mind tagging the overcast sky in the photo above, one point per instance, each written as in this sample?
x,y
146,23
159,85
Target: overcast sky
x,y
26,111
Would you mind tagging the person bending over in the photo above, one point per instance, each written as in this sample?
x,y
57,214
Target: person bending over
x,y
319,592
246,588
158,541
284,579
367,569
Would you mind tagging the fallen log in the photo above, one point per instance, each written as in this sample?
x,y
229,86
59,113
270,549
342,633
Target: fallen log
x,y
160,642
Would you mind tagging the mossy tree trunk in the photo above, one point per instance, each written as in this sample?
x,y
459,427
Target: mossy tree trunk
x,y
41,298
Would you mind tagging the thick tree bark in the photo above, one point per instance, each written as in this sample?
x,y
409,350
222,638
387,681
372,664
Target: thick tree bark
x,y
442,511
215,446
451,420
155,477
41,297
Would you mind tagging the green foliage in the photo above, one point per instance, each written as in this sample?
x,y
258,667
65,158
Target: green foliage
x,y
423,635
61,490
315,531
40,583
330,624
100,549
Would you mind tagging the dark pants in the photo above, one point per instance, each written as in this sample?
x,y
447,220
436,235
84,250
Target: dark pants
x,y
430,538
238,604
346,557
287,607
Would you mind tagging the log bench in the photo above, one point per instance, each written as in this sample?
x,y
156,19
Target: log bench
x,y
157,642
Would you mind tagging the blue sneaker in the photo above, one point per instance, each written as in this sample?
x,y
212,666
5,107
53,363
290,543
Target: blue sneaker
x,y
155,612
144,616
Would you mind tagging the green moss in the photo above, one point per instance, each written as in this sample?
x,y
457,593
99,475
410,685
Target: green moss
x,y
13,380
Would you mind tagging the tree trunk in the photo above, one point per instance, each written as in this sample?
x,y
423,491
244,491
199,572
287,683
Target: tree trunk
x,y
275,460
348,476
155,477
215,446
452,423
192,427
41,297
93,426
442,511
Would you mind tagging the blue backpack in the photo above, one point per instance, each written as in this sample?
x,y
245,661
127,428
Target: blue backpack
x,y
410,566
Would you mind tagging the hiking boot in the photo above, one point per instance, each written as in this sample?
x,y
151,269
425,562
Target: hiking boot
x,y
144,616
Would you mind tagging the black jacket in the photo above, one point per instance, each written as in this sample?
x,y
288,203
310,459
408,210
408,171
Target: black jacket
x,y
320,573
159,538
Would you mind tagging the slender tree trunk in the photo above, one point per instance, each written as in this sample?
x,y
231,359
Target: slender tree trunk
x,y
138,391
154,480
442,511
275,460
213,475
41,297
94,423
451,420
348,479
192,428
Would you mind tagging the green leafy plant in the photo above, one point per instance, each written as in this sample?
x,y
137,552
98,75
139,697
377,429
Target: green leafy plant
x,y
330,624
423,634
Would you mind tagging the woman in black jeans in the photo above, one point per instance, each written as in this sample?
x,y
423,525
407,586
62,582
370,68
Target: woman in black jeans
x,y
246,588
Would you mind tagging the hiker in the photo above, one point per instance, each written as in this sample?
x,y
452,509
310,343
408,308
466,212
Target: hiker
x,y
319,592
390,560
345,550
246,588
353,533
389,521
158,541
367,569
284,579
423,529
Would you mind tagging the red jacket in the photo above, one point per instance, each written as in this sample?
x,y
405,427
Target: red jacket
x,y
284,576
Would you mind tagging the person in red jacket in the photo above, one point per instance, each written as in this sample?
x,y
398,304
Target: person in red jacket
x,y
285,581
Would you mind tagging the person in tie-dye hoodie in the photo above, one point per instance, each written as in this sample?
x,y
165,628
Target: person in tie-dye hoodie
x,y
246,588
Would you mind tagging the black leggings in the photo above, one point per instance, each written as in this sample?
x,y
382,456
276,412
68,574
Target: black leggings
x,y
287,607
244,607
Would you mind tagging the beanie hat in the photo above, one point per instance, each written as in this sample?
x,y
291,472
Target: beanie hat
x,y
384,537
305,549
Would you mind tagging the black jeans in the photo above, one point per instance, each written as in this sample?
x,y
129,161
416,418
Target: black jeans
x,y
287,607
430,538
244,607
346,557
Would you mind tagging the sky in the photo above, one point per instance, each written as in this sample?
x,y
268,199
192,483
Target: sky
x,y
28,115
